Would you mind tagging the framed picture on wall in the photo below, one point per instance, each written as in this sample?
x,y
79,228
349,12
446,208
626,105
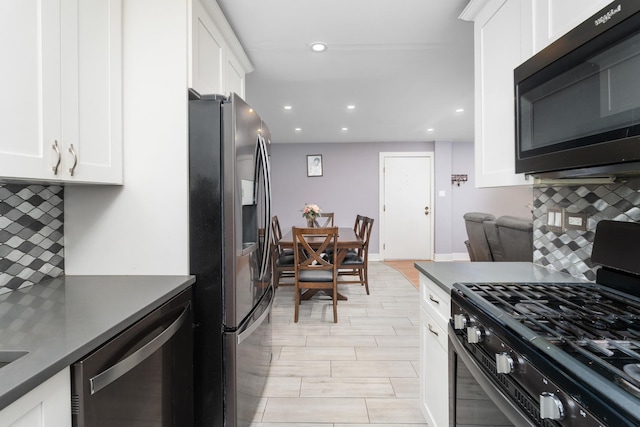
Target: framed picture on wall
x,y
314,165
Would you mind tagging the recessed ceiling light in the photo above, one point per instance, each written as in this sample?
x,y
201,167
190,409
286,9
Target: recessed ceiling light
x,y
318,47
298,129
430,130
344,129
460,110
288,107
351,107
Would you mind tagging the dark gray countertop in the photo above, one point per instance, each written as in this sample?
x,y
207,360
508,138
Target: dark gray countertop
x,y
445,274
59,321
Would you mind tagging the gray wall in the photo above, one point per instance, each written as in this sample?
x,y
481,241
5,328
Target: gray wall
x,y
350,186
499,201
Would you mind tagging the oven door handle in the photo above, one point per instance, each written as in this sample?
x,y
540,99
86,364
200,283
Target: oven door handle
x,y
111,374
509,409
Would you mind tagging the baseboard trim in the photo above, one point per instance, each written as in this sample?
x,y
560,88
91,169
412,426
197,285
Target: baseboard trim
x,y
461,256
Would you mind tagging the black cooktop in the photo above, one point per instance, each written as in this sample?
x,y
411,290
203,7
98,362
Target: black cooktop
x,y
598,326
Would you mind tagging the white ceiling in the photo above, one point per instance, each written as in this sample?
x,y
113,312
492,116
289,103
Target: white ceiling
x,y
406,65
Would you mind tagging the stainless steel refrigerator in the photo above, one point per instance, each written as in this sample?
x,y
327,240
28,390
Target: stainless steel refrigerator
x,y
229,228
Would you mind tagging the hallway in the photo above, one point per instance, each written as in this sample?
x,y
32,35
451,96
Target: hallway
x,y
361,371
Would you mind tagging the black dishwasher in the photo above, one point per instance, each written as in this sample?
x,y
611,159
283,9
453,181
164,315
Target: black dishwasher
x,y
143,376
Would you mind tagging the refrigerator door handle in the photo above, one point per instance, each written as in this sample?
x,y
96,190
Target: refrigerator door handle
x,y
255,325
114,372
264,164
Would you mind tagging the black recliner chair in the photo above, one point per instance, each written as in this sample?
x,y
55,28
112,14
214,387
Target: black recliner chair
x,y
477,245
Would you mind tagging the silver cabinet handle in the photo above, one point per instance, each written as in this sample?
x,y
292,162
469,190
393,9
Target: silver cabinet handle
x,y
111,374
432,331
433,299
57,150
75,160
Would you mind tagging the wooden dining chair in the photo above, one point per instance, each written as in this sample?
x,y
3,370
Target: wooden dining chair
x,y
313,269
282,259
277,231
356,263
325,219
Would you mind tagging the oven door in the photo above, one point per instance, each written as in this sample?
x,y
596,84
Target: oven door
x,y
474,400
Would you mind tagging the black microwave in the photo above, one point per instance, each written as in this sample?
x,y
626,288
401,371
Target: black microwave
x,y
577,102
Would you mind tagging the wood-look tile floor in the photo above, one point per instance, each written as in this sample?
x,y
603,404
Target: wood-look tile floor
x,y
360,371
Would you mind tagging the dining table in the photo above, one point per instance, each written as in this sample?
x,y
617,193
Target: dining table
x,y
347,239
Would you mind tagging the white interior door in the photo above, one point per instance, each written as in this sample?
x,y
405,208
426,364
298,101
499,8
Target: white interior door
x,y
406,205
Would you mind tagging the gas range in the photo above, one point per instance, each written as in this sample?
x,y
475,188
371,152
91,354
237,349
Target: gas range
x,y
558,354
569,353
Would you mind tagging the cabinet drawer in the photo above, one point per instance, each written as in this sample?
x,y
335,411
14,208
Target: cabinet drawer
x,y
435,300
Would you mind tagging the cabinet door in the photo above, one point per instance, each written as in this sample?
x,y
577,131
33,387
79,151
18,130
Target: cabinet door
x,y
30,87
434,380
48,405
234,76
92,91
206,51
502,42
554,18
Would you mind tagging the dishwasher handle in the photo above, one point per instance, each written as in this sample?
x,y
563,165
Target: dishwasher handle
x,y
111,374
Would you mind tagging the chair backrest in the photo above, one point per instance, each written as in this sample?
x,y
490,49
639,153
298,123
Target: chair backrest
x,y
275,228
326,219
366,233
310,245
480,250
493,238
358,227
516,238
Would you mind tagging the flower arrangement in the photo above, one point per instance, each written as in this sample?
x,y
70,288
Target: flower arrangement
x,y
310,211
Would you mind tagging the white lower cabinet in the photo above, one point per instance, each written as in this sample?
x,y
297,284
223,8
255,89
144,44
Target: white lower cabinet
x,y
435,306
48,405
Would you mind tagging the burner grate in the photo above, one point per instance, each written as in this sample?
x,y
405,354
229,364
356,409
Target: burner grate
x,y
600,327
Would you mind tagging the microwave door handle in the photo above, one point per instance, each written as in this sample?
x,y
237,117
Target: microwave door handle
x,y
111,374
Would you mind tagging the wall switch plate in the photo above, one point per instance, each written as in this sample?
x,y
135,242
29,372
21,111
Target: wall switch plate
x,y
555,220
575,221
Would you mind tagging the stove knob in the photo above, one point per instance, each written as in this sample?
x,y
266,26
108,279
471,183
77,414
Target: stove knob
x,y
551,407
504,363
460,321
474,335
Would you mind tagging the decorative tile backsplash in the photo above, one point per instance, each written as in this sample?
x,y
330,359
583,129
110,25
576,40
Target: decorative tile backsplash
x,y
570,251
31,234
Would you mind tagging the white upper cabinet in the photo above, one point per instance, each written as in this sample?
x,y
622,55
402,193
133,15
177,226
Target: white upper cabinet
x,y
61,107
506,34
503,40
554,18
218,63
30,87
